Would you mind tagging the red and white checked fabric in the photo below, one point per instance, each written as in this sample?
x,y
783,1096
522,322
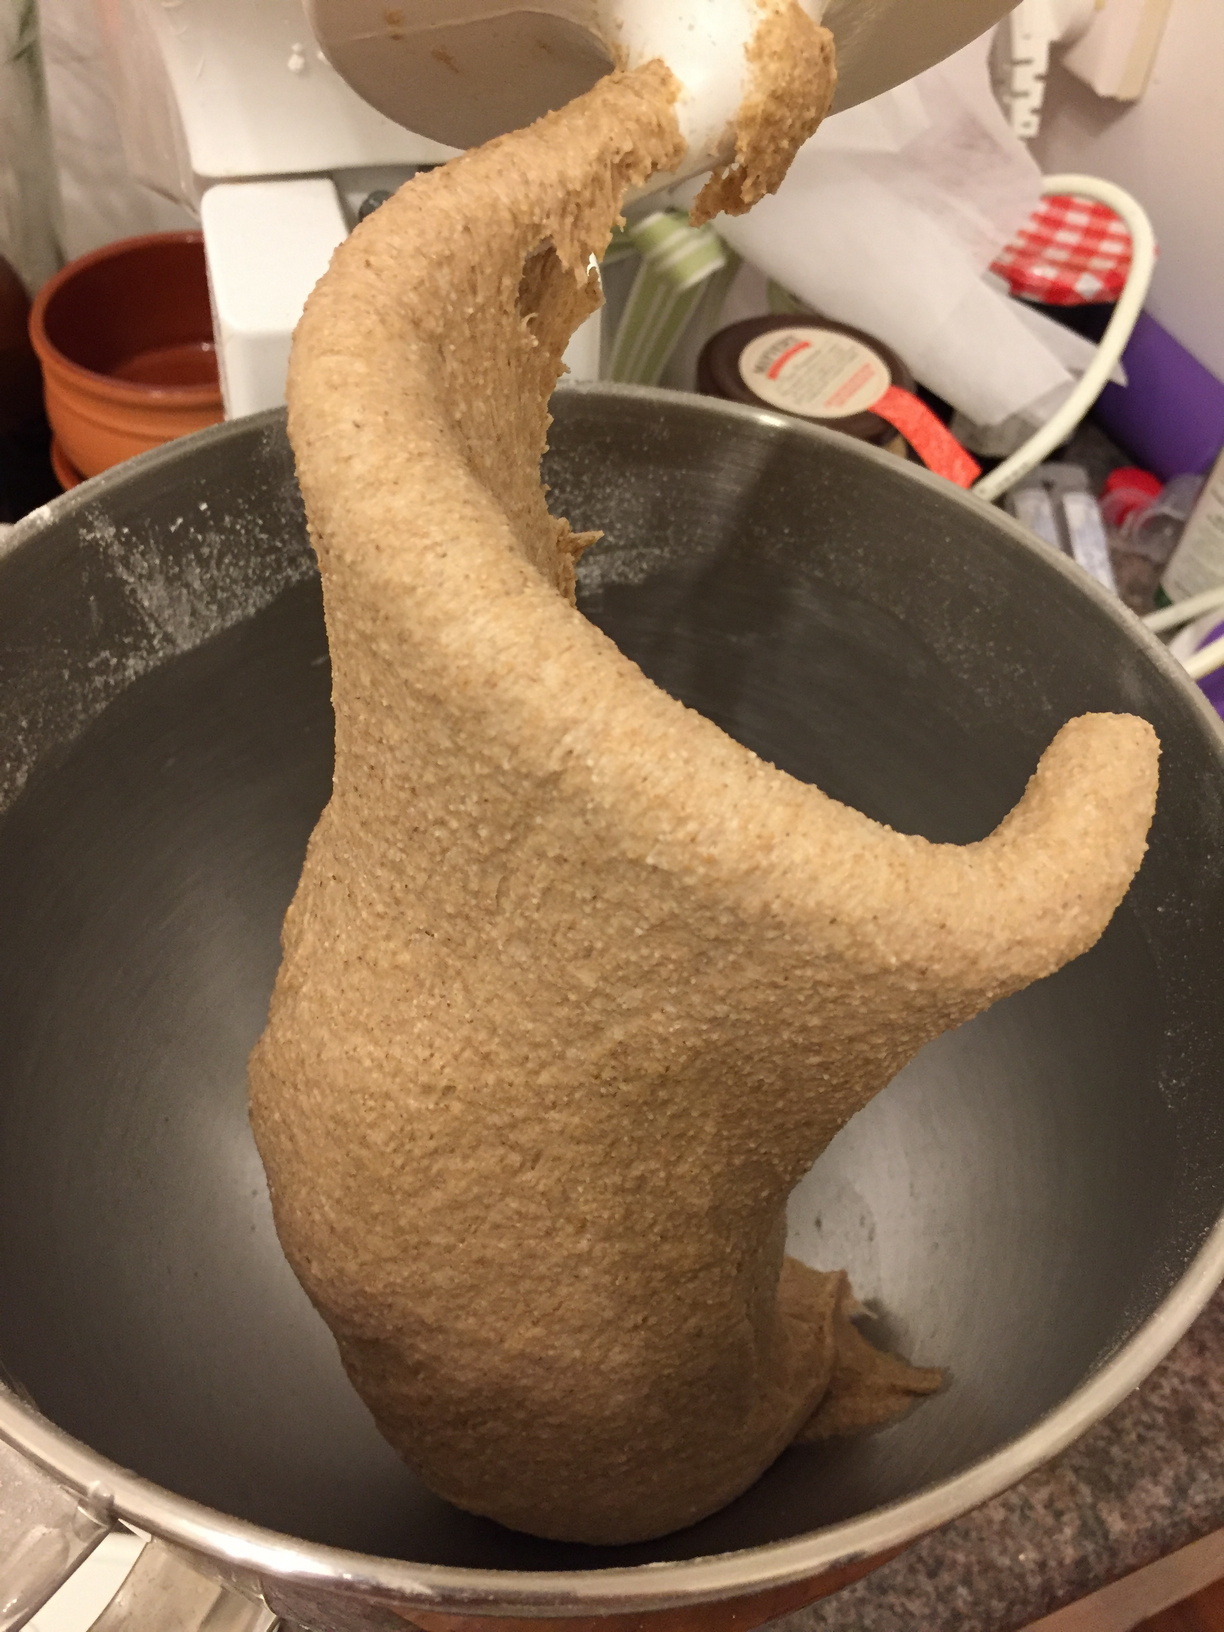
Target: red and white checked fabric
x,y
1070,252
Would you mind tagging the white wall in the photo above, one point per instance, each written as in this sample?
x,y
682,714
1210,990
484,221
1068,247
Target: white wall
x,y
1168,150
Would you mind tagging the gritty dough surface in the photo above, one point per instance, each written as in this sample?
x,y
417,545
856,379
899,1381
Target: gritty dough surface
x,y
575,988
792,78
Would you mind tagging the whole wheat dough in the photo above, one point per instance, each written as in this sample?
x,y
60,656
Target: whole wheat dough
x,y
575,988
791,80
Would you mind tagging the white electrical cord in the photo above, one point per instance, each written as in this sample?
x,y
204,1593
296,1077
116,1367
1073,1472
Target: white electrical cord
x,y
1172,617
1206,661
1210,657
1113,343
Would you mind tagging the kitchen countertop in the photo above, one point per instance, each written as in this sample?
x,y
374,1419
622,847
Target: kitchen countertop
x,y
1145,1482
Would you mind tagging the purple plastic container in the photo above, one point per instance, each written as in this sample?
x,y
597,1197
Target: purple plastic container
x,y
1170,415
1212,685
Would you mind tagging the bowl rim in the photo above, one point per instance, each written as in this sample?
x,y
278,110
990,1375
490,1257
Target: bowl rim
x,y
255,1552
75,375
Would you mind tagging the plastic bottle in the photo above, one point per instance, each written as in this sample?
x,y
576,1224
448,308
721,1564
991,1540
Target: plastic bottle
x,y
1155,532
1126,492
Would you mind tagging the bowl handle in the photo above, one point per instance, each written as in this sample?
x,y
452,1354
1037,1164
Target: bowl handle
x,y
45,1532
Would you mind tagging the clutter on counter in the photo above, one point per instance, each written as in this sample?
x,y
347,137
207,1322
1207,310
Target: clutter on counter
x,y
1145,522
1127,490
890,218
1056,502
835,376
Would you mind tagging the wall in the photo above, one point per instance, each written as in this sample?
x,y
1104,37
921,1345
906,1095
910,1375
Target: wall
x,y
1168,150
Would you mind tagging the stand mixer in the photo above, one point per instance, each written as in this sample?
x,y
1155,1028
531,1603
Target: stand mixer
x,y
1039,1204
277,118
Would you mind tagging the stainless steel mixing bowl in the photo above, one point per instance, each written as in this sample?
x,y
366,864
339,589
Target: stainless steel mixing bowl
x,y
1033,1204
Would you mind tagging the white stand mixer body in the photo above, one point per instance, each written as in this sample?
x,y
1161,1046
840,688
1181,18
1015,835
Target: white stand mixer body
x,y
463,71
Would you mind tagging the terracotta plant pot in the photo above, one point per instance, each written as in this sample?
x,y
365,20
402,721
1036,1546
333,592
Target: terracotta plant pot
x,y
66,473
125,339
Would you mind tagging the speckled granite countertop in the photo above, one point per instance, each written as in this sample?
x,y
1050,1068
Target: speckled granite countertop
x,y
1146,1481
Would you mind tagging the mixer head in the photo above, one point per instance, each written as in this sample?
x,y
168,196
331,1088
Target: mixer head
x,y
467,70
463,71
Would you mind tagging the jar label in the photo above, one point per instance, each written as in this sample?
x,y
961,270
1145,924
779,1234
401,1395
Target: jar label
x,y
816,372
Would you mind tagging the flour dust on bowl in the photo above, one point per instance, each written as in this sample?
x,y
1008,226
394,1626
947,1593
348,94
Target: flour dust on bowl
x,y
1033,1205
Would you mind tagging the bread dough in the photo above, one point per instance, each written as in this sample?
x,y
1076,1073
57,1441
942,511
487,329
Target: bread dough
x,y
575,988
791,83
